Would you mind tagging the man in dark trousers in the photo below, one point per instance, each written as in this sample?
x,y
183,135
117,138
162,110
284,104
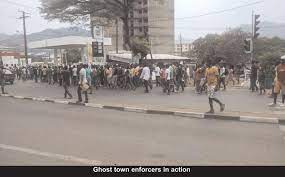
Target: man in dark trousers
x,y
66,82
253,76
35,71
2,79
180,78
83,86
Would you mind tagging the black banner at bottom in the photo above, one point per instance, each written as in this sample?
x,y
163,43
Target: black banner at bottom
x,y
94,171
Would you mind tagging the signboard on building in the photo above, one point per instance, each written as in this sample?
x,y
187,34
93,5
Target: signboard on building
x,y
98,33
98,53
98,49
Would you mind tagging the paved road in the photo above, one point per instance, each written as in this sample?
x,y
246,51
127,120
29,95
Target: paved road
x,y
33,133
237,100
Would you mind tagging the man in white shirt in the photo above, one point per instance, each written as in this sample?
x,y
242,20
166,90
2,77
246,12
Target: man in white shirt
x,y
168,79
146,76
82,84
74,75
157,75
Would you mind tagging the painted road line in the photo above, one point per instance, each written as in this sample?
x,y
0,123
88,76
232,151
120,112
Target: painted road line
x,y
39,99
92,105
137,110
50,155
60,102
19,97
189,114
259,119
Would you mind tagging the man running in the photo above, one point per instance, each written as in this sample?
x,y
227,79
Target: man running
x,y
212,75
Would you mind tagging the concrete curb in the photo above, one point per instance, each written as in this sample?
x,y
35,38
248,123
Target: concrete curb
x,y
250,119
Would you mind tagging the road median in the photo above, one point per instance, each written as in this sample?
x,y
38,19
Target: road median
x,y
229,116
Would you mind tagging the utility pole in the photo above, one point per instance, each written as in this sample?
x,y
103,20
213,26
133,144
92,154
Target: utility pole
x,y
181,50
117,36
25,34
252,38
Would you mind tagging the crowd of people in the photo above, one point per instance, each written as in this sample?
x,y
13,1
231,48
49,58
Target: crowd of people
x,y
208,77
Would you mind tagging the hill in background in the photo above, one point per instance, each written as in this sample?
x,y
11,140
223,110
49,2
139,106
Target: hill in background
x,y
17,40
268,29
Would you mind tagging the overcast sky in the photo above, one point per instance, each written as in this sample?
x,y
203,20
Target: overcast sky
x,y
270,10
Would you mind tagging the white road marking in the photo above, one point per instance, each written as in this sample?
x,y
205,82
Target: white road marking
x,y
51,155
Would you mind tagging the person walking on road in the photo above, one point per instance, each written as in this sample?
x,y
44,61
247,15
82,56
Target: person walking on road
x,y
2,79
212,75
180,75
168,79
82,87
222,77
36,75
145,76
89,78
157,76
74,75
261,81
253,76
279,82
66,82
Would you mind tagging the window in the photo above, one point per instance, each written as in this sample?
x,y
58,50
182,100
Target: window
x,y
145,2
132,14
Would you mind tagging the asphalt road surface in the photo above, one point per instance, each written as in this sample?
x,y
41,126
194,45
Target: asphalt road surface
x,y
33,133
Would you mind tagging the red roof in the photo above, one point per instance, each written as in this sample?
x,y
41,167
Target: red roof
x,y
14,54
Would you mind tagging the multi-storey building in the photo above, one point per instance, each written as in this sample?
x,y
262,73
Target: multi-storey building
x,y
153,19
184,48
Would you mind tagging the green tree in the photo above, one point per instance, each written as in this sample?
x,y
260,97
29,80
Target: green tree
x,y
81,10
140,45
229,47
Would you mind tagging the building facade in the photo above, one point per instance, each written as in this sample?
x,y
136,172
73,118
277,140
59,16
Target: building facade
x,y
185,48
153,19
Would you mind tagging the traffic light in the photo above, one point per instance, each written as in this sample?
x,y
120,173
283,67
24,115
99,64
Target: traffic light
x,y
255,26
248,45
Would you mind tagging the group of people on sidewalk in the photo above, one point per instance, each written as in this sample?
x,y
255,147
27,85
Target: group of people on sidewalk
x,y
170,77
226,74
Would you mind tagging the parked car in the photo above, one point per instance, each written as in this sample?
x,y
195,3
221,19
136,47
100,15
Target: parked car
x,y
9,76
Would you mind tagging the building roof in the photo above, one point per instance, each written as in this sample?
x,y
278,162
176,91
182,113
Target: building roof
x,y
64,42
5,48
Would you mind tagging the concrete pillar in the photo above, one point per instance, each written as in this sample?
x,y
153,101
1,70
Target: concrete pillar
x,y
84,58
55,57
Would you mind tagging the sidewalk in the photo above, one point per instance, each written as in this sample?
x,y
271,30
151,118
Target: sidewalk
x,y
239,102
